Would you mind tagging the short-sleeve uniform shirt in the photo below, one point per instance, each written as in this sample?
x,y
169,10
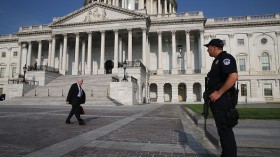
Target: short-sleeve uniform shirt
x,y
223,65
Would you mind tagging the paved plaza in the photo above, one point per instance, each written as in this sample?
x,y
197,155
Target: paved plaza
x,y
152,130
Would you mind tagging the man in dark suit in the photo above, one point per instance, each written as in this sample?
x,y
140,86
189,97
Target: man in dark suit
x,y
76,96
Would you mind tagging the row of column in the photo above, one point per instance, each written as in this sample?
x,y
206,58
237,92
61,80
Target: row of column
x,y
85,70
118,52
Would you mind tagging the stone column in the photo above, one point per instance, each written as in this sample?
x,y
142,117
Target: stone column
x,y
75,70
83,56
159,8
252,57
60,56
174,54
202,53
188,53
142,4
160,93
53,51
29,53
152,6
190,92
278,52
120,50
102,53
50,52
129,44
159,70
39,53
24,56
89,62
116,52
144,39
64,58
165,7
175,93
170,8
19,58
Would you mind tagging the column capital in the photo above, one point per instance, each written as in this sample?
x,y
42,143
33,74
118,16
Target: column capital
x,y
116,30
77,33
231,36
102,31
173,32
50,40
250,35
206,36
277,33
187,32
30,42
89,32
53,35
159,32
143,28
201,31
129,29
24,45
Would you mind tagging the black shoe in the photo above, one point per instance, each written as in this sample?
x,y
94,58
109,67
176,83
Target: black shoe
x,y
68,122
82,123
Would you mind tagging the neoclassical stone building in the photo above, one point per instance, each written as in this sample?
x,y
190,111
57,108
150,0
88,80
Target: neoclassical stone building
x,y
98,37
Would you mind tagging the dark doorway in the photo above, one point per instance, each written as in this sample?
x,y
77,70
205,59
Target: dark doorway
x,y
109,65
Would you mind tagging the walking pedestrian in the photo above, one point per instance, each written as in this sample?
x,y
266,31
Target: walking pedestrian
x,y
76,96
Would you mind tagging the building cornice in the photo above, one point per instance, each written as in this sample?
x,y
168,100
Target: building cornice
x,y
46,32
242,25
8,41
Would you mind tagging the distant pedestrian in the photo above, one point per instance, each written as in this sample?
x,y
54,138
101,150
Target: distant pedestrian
x,y
221,81
76,96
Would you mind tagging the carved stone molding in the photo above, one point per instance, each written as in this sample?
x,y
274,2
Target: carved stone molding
x,y
231,36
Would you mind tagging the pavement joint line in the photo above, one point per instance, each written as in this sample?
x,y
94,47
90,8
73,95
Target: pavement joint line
x,y
61,148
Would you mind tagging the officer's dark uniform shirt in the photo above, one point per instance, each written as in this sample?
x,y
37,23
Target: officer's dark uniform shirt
x,y
223,65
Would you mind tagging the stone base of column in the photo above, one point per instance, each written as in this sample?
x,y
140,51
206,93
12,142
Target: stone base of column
x,y
101,71
160,72
88,71
204,71
189,71
63,72
115,71
74,72
174,71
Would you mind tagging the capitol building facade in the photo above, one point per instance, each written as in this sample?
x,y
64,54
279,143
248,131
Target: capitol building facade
x,y
97,38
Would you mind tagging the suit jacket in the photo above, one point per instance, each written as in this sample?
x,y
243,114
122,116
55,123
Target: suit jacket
x,y
73,94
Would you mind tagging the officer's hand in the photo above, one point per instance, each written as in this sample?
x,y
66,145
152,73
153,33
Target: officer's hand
x,y
214,96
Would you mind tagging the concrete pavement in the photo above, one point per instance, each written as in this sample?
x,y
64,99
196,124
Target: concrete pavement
x,y
152,130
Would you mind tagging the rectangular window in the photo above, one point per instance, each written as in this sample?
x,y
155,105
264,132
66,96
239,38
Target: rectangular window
x,y
240,42
243,90
242,64
2,72
14,71
3,55
15,54
267,89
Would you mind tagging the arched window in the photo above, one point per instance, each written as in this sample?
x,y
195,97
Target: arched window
x,y
265,61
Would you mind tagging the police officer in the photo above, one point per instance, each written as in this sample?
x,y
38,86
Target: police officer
x,y
221,81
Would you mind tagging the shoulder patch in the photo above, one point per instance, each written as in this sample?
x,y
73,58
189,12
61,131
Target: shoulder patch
x,y
226,61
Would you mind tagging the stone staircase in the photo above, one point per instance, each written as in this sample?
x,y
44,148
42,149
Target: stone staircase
x,y
96,88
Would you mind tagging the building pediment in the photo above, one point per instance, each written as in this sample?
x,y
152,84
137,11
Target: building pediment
x,y
97,13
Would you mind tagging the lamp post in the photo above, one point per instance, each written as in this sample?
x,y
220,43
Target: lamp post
x,y
24,72
124,68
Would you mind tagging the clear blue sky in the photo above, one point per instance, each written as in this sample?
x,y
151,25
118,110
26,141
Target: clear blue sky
x,y
16,13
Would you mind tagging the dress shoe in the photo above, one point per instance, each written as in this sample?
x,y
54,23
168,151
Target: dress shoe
x,y
82,123
68,122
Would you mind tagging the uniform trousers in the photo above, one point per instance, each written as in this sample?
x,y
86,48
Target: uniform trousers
x,y
227,138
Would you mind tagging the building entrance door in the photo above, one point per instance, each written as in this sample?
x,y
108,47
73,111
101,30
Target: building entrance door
x,y
109,65
182,92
